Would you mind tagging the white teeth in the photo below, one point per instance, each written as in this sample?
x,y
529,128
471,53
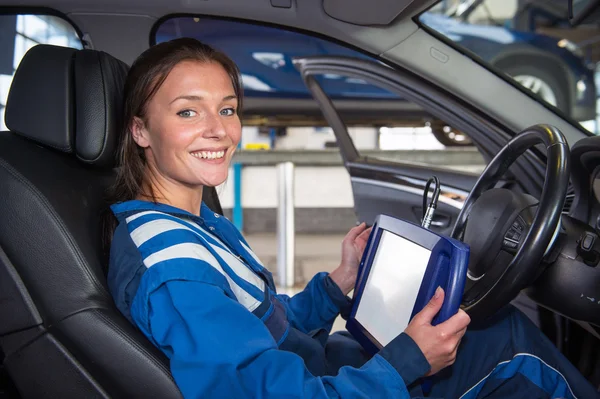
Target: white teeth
x,y
209,154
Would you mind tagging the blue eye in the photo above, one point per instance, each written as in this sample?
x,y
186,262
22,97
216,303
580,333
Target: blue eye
x,y
186,113
228,111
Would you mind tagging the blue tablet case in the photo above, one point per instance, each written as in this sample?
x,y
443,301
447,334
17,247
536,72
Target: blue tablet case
x,y
447,268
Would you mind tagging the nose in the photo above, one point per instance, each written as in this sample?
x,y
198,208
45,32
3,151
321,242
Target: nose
x,y
215,128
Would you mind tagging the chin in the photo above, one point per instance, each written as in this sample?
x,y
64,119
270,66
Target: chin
x,y
214,181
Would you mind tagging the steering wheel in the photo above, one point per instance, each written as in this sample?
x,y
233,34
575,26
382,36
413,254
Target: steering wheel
x,y
510,233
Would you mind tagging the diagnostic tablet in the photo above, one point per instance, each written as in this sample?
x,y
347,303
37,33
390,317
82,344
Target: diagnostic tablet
x,y
401,267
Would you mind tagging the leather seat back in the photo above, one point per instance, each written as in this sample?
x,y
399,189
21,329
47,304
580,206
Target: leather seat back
x,y
60,332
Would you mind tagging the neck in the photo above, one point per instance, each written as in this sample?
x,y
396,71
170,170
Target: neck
x,y
180,196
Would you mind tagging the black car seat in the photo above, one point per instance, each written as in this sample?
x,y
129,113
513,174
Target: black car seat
x,y
60,332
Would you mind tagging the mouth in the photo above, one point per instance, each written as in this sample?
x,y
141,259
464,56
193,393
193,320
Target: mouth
x,y
214,156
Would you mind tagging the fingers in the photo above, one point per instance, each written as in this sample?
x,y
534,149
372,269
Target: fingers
x,y
456,323
461,333
432,308
355,231
460,336
452,357
361,240
453,343
365,234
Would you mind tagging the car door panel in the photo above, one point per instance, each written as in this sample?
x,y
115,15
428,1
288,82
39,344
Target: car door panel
x,y
397,190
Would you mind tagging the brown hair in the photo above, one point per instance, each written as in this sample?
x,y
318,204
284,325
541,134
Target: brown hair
x,y
146,76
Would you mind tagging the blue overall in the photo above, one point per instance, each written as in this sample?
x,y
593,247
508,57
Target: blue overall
x,y
194,287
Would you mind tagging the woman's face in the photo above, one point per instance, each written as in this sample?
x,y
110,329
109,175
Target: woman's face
x,y
192,127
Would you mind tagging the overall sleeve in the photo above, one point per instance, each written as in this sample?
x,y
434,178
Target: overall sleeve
x,y
317,305
219,349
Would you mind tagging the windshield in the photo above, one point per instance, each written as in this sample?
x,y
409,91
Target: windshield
x,y
534,43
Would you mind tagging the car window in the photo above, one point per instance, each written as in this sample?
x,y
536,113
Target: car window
x,y
18,33
279,104
532,42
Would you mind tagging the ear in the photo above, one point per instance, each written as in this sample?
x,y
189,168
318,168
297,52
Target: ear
x,y
139,132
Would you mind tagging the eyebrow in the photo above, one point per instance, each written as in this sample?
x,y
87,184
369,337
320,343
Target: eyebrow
x,y
198,98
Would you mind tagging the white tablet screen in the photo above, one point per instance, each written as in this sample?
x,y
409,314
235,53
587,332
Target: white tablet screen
x,y
392,287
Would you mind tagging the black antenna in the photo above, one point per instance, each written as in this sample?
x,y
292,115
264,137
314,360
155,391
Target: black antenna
x,y
429,210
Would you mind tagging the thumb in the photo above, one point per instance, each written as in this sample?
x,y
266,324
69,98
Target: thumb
x,y
433,307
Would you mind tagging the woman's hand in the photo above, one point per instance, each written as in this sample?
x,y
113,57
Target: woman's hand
x,y
438,343
353,247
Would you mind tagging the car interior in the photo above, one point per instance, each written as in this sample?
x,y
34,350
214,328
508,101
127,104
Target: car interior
x,y
61,335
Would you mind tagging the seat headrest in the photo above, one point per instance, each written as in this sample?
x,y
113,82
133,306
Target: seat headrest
x,y
69,100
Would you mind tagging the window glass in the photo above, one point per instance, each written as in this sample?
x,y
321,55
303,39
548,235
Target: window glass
x,y
534,43
18,33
